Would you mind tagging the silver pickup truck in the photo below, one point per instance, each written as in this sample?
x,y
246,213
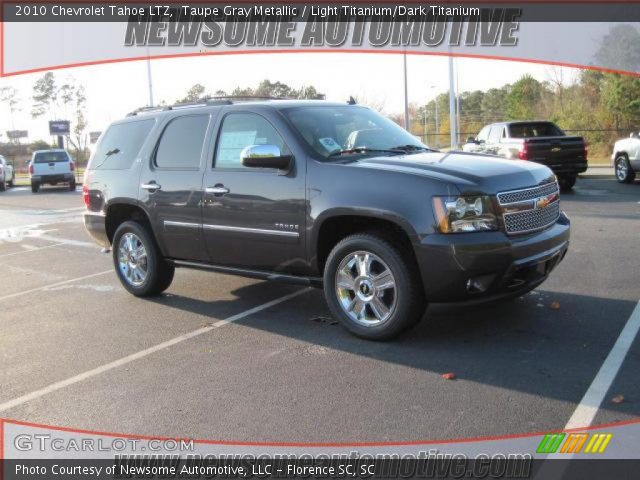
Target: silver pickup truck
x,y
51,167
626,158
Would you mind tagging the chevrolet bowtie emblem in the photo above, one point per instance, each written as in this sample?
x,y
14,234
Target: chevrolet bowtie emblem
x,y
556,149
542,202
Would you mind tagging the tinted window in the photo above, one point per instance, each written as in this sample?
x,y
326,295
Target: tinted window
x,y
240,130
50,157
181,142
535,129
119,145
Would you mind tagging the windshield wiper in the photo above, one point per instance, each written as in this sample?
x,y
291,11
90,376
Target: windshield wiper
x,y
413,149
349,151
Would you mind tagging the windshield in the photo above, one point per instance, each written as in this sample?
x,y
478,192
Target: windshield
x,y
535,129
50,157
337,131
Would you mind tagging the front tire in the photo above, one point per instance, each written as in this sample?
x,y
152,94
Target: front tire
x,y
3,186
372,288
624,172
12,182
72,186
139,265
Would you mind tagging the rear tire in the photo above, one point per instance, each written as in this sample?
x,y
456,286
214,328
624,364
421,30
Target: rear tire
x,y
567,182
3,186
372,288
624,172
139,265
12,182
35,187
72,186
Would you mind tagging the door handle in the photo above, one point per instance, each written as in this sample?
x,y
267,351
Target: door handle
x,y
217,190
151,186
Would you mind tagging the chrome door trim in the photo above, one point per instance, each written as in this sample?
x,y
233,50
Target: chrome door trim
x,y
170,223
261,231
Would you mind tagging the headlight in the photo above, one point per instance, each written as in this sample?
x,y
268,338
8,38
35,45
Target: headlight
x,y
464,214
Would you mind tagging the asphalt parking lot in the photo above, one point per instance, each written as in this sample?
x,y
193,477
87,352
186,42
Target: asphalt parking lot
x,y
78,351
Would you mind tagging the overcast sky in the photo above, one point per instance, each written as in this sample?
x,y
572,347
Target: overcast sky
x,y
115,89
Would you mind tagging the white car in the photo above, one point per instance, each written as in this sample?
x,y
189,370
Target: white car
x,y
626,158
7,174
51,167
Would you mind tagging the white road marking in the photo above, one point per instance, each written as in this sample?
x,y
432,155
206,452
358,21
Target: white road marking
x,y
143,353
51,285
75,243
590,403
29,249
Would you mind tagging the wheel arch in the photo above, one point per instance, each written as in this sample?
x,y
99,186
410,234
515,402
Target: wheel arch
x,y
337,224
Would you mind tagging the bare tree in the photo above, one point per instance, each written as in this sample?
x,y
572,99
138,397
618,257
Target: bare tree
x,y
9,96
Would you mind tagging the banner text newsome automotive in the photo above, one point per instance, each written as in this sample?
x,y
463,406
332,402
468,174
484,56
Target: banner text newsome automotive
x,y
490,27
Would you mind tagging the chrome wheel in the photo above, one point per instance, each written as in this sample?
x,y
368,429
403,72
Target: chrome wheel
x,y
622,169
132,259
366,288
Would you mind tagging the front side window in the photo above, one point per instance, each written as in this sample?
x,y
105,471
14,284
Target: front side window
x,y
496,134
181,143
333,131
241,130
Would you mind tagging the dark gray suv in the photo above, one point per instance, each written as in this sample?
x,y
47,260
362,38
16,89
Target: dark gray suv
x,y
327,194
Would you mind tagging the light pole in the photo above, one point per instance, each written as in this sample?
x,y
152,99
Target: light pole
x,y
407,126
149,80
437,127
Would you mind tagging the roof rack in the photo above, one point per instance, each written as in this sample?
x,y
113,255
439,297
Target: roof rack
x,y
208,101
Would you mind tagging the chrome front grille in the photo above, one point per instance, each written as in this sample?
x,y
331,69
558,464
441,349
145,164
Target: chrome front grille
x,y
527,194
530,209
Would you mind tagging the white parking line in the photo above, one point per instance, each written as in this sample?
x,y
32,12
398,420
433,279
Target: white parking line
x,y
590,403
143,353
28,249
51,285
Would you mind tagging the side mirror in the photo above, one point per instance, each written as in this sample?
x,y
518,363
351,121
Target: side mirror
x,y
265,156
472,140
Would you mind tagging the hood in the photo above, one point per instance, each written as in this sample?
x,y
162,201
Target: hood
x,y
470,172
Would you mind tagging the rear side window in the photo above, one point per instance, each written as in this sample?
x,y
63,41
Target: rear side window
x,y
50,157
181,143
535,129
119,145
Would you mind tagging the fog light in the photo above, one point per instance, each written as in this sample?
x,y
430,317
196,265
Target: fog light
x,y
479,284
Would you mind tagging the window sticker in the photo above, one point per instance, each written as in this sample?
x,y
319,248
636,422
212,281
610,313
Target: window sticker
x,y
330,144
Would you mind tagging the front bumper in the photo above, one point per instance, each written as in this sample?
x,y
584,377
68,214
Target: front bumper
x,y
95,224
488,265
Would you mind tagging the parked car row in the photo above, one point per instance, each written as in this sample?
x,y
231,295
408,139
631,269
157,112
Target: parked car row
x,y
7,174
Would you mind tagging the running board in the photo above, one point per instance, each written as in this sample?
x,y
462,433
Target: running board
x,y
244,272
